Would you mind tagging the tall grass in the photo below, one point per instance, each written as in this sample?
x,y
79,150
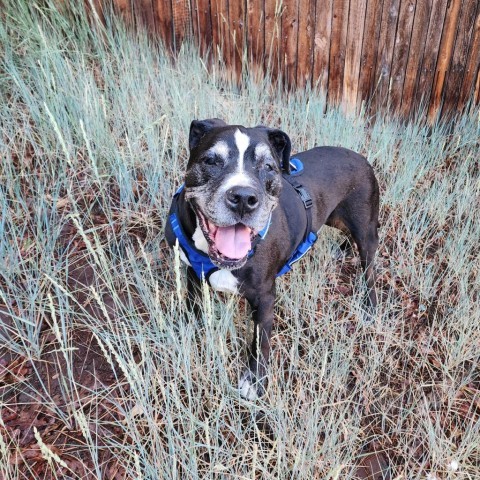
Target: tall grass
x,y
94,125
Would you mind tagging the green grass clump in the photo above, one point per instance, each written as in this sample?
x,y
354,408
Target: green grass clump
x,y
104,375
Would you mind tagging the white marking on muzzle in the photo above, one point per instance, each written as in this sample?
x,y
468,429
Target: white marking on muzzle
x,y
236,180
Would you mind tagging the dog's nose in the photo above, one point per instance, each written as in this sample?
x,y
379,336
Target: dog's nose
x,y
242,200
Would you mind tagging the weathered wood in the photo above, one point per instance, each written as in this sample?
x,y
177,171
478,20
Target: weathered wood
x,y
385,52
472,68
236,30
371,35
144,13
290,41
164,21
400,54
415,54
321,48
182,27
219,21
306,32
444,56
273,32
195,24
256,30
456,70
432,45
337,51
476,95
353,54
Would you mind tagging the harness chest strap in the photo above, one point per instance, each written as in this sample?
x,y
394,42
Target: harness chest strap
x,y
310,237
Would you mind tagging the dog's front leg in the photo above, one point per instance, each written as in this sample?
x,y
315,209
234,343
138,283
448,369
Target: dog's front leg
x,y
194,294
254,380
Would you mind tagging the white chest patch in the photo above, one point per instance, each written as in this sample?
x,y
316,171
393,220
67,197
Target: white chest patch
x,y
184,258
199,239
223,281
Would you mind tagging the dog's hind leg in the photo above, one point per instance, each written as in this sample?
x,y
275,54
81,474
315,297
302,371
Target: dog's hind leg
x,y
363,225
360,221
367,246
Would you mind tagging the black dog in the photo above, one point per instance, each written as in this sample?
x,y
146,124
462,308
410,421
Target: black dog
x,y
247,211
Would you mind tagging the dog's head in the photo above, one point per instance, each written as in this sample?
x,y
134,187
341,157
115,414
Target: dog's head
x,y
233,182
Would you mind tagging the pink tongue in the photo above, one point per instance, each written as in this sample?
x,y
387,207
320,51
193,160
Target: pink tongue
x,y
233,242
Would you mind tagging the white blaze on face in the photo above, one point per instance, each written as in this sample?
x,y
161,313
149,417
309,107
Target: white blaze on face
x,y
239,177
242,142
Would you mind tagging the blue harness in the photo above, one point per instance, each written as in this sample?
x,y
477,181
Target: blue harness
x,y
200,261
310,237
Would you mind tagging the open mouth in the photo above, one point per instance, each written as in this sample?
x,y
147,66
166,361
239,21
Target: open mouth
x,y
228,247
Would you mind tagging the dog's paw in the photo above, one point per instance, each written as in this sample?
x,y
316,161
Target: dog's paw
x,y
250,388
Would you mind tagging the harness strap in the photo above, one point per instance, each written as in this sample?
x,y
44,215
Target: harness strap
x,y
310,237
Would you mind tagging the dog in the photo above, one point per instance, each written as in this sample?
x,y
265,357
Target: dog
x,y
248,210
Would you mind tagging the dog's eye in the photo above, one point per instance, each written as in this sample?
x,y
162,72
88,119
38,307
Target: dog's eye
x,y
268,167
213,160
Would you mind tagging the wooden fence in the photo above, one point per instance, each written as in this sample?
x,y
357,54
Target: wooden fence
x,y
395,53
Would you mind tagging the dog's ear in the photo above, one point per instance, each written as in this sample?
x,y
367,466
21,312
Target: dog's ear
x,y
198,128
282,145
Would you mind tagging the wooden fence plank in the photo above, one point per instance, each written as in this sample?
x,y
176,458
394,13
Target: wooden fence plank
x,y
273,32
124,7
415,54
306,32
385,52
432,44
353,53
473,64
290,41
256,30
144,14
458,64
182,27
205,26
444,56
236,31
321,49
476,95
221,35
400,54
164,21
371,36
337,51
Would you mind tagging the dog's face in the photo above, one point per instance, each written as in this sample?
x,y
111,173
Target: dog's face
x,y
233,182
